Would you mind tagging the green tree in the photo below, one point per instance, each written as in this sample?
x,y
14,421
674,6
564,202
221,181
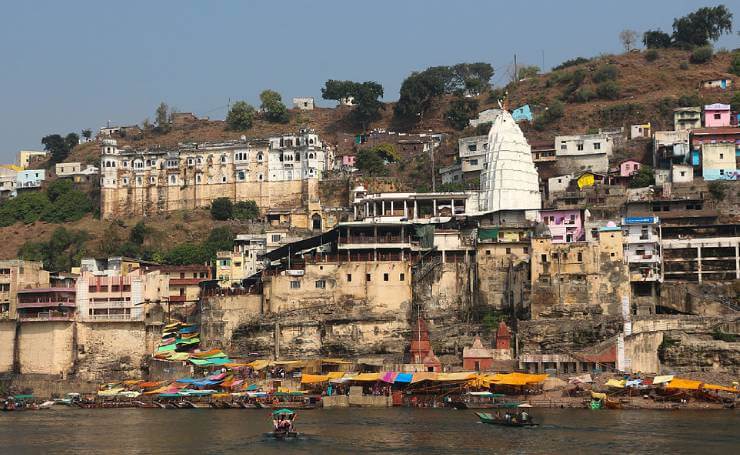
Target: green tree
x,y
138,233
71,141
57,188
703,26
186,253
370,163
222,209
571,62
162,117
387,152
246,210
87,133
608,90
551,114
461,111
366,96
735,64
527,72
419,90
56,146
644,177
605,73
69,206
656,39
240,116
60,253
219,239
701,54
470,77
273,109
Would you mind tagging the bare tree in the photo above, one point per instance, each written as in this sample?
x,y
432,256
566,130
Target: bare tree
x,y
628,39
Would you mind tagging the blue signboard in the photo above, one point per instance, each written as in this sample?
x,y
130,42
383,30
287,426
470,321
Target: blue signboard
x,y
639,220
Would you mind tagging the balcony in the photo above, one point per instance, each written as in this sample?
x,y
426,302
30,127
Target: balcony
x,y
111,304
46,302
186,281
643,258
46,316
114,317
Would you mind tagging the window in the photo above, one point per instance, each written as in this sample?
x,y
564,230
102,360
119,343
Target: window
x,y
223,158
473,162
508,251
717,116
223,179
472,147
488,252
563,146
275,237
525,250
349,278
367,277
241,176
320,284
198,178
683,173
260,157
385,277
402,277
721,156
125,180
191,161
295,284
579,257
173,179
580,147
597,146
544,258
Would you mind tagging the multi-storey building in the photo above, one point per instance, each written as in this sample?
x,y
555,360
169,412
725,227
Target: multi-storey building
x,y
278,172
686,118
119,293
472,153
16,275
643,257
586,152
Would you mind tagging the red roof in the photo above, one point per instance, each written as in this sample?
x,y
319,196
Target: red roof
x,y
719,130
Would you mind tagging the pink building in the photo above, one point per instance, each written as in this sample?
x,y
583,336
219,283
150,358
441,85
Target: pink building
x,y
348,160
716,115
566,226
629,167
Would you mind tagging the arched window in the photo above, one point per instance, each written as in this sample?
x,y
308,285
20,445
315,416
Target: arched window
x,y
260,177
198,178
310,156
223,158
173,179
260,157
223,179
241,176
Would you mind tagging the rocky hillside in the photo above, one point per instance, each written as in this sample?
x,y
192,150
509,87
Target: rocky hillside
x,y
647,90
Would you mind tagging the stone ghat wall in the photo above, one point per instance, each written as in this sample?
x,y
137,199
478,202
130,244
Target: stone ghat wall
x,y
7,345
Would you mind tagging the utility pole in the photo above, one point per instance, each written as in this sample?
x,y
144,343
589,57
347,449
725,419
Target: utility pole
x,y
516,75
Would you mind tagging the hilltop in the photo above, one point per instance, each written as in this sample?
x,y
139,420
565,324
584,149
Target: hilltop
x,y
647,92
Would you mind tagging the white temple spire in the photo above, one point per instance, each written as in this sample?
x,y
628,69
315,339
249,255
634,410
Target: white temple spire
x,y
509,179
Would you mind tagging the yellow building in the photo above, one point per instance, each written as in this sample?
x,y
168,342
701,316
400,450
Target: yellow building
x,y
16,274
26,157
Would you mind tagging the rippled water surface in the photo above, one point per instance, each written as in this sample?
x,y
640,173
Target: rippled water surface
x,y
431,431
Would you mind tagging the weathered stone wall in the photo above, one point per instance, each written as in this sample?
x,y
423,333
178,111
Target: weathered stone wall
x,y
681,352
222,315
579,277
46,347
706,299
642,351
559,335
7,345
150,199
113,350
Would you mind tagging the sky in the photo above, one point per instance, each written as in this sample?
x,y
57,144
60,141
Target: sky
x,y
70,65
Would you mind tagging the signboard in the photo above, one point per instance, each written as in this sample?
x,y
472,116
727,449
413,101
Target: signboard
x,y
639,220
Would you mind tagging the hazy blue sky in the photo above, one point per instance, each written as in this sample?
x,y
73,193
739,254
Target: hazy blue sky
x,y
69,65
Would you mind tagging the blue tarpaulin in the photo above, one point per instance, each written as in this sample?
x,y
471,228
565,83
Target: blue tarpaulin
x,y
404,377
522,113
192,329
187,381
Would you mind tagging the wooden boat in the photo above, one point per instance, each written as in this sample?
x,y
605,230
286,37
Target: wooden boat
x,y
491,420
281,416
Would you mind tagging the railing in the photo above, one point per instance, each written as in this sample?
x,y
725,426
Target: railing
x,y
378,239
111,304
114,317
46,316
50,301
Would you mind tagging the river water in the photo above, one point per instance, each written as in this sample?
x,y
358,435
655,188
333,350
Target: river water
x,y
354,430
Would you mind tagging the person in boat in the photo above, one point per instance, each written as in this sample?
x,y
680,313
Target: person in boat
x,y
507,416
525,416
